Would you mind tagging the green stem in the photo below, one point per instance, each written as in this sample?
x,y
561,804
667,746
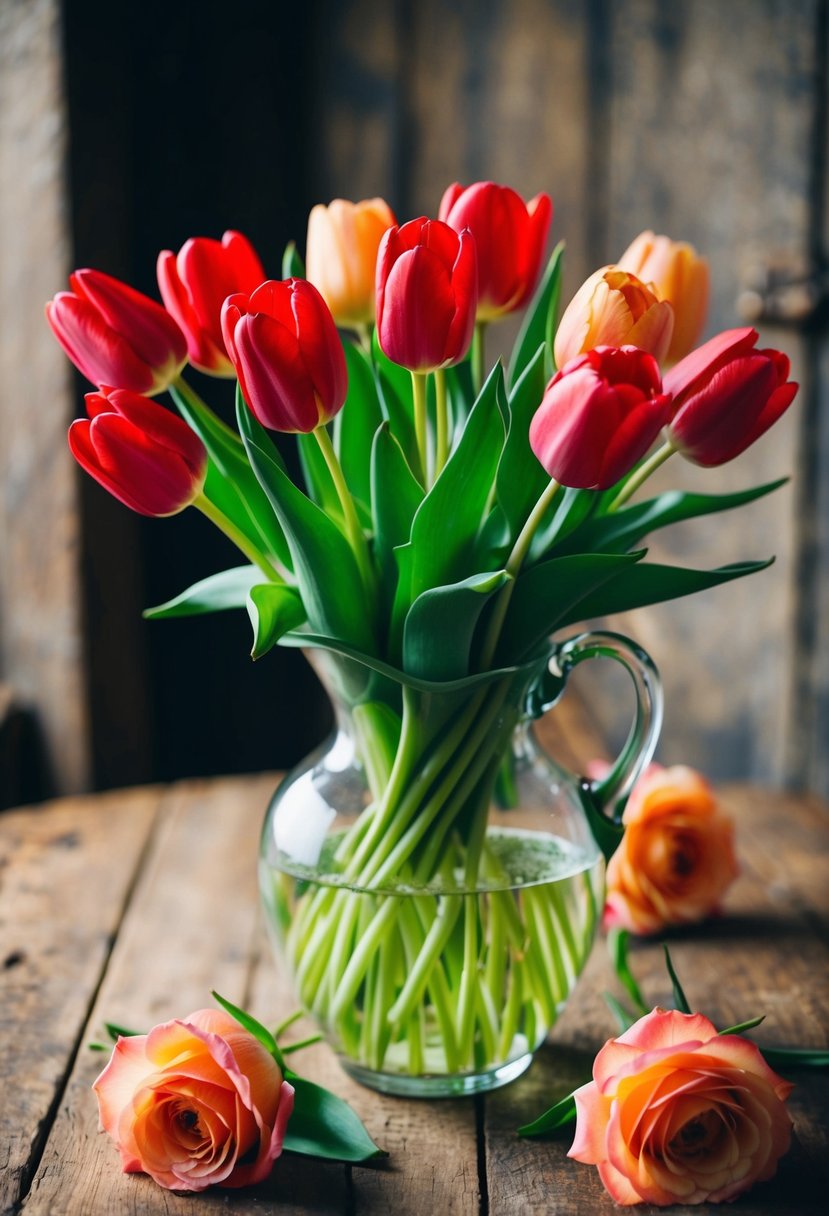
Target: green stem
x,y
363,333
513,566
441,422
355,533
420,423
478,356
217,517
642,474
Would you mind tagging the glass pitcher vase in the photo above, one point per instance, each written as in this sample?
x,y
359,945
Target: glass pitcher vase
x,y
432,879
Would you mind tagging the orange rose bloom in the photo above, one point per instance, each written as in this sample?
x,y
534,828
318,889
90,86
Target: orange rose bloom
x,y
676,858
680,276
341,255
613,308
677,1113
195,1103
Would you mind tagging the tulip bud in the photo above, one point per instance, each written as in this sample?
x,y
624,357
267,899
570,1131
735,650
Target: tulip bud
x,y
287,353
195,284
341,256
598,417
510,236
680,276
427,291
115,335
726,395
613,308
142,453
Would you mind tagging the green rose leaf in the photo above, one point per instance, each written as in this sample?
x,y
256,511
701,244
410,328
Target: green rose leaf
x,y
217,593
251,1025
553,1120
323,1125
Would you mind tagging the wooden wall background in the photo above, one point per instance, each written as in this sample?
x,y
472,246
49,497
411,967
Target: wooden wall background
x,y
125,129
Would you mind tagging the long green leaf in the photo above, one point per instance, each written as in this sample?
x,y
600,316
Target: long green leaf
x,y
606,533
394,391
396,495
292,264
217,593
249,1022
323,1125
648,583
680,999
327,573
553,1120
319,483
440,625
796,1057
520,478
540,319
617,945
273,609
356,424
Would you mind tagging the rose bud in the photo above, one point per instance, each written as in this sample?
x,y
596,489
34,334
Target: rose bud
x,y
680,276
341,256
287,353
726,395
677,1113
195,1103
195,284
598,417
115,335
142,453
613,308
427,292
510,236
676,859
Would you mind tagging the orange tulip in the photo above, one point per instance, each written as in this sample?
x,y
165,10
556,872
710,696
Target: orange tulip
x,y
341,256
679,275
614,308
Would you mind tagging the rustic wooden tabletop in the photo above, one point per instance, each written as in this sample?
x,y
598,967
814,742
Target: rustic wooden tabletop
x,y
130,906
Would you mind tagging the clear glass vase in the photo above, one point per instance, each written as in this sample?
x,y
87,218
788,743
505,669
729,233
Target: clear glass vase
x,y
430,876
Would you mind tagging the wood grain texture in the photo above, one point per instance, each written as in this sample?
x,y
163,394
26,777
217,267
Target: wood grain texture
x,y
65,872
40,602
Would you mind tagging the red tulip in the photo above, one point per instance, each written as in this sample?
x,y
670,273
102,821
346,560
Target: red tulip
x,y
599,416
195,284
510,236
287,354
726,395
427,290
141,452
115,335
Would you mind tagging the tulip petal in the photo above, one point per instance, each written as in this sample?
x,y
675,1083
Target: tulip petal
x,y
418,311
276,383
98,352
683,380
320,347
150,330
723,417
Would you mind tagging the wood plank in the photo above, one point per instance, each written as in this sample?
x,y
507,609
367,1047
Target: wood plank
x,y
40,600
65,871
761,956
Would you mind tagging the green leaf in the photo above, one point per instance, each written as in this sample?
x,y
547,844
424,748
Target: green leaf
x,y
648,583
680,999
251,1025
631,524
396,495
318,480
796,1057
394,391
521,479
742,1027
329,579
446,524
439,626
273,609
116,1032
555,1119
540,319
545,595
623,1017
216,593
292,264
617,945
356,424
231,483
569,509
323,1125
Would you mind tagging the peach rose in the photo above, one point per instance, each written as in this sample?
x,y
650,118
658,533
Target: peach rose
x,y
676,858
676,1113
195,1103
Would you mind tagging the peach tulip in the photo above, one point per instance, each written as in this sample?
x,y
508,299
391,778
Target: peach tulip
x,y
613,308
680,276
341,255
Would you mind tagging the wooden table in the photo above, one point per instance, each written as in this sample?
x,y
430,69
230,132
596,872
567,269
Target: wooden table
x,y
131,906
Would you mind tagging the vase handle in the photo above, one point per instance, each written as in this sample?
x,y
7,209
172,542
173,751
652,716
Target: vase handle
x,y
613,789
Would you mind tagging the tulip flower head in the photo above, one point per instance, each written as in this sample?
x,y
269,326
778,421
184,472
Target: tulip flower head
x,y
598,417
341,256
146,456
194,285
427,292
680,276
287,353
613,308
510,236
726,395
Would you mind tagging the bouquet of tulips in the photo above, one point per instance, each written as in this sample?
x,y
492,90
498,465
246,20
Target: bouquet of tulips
x,y
453,516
